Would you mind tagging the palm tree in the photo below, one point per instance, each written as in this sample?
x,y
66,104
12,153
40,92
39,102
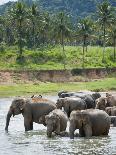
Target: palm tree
x,y
104,19
84,33
112,38
62,31
18,15
33,19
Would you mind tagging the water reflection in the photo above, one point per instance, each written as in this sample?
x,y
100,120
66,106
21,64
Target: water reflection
x,y
17,141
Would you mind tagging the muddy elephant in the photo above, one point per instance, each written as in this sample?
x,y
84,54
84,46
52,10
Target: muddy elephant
x,y
101,103
87,97
90,122
111,100
71,103
111,111
56,121
31,111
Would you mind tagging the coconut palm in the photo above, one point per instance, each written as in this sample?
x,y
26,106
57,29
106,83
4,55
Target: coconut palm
x,y
84,33
105,18
62,31
18,15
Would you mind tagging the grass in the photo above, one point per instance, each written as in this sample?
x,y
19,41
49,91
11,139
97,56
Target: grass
x,y
106,84
52,58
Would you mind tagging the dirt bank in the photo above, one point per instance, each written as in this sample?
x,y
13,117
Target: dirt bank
x,y
30,76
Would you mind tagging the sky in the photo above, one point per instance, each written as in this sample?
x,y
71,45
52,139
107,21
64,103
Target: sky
x,y
5,1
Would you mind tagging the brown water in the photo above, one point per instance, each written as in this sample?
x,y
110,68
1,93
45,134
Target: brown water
x,y
17,142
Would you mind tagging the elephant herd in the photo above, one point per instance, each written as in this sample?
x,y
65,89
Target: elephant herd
x,y
91,113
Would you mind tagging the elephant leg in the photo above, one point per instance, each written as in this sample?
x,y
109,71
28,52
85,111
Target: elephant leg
x,y
81,132
72,129
27,124
57,131
87,130
31,125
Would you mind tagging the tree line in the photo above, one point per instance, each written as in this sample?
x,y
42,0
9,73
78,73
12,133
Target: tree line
x,y
33,27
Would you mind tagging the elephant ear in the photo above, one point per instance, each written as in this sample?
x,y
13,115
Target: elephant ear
x,y
21,103
46,118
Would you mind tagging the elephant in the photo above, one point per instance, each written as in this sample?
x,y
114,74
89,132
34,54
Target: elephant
x,y
111,100
101,103
113,120
87,97
111,111
71,103
90,122
56,121
31,111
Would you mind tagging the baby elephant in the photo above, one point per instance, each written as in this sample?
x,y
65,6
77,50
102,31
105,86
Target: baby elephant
x,y
90,122
56,121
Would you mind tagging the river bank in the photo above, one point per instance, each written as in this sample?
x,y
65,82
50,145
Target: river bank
x,y
21,89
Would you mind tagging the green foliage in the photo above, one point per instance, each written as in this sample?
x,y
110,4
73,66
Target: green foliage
x,y
51,58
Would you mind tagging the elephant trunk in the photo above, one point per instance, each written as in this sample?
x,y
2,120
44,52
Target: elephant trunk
x,y
49,134
8,120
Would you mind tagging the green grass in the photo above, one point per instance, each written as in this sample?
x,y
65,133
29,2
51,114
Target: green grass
x,y
106,84
52,58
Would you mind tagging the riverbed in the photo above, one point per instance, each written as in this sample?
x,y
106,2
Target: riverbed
x,y
19,142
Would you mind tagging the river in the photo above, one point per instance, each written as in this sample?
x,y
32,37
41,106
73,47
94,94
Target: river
x,y
19,142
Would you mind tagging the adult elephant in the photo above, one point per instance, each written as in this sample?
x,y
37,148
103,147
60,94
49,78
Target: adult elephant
x,y
56,121
90,122
71,103
87,97
31,111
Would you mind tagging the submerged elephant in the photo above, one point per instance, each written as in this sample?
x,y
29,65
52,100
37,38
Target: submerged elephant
x,y
90,122
111,111
101,103
56,121
31,111
87,97
111,100
71,103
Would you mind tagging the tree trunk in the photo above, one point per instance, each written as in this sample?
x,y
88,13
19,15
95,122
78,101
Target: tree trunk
x,y
104,44
114,49
62,42
20,38
84,40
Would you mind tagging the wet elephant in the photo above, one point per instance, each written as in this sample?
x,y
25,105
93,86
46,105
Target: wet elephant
x,y
71,103
111,111
111,100
90,122
101,103
31,111
89,98
56,121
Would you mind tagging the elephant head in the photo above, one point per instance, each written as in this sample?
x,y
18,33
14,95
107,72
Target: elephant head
x,y
80,120
110,99
53,123
60,103
16,108
61,92
108,110
101,103
96,95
